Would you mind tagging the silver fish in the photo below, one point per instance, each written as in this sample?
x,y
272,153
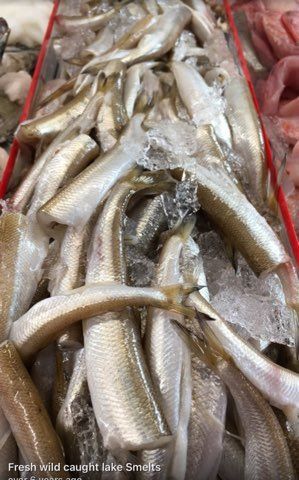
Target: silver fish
x,y
90,187
117,334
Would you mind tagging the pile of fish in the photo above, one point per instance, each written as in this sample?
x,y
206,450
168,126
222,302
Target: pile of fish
x,y
270,35
146,202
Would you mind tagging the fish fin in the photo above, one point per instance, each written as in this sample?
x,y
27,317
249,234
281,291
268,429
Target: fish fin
x,y
182,228
175,293
196,344
210,336
233,435
231,253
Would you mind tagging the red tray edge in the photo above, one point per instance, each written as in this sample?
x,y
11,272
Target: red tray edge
x,y
14,149
285,213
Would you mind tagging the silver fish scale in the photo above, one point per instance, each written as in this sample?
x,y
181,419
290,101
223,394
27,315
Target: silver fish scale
x,y
206,424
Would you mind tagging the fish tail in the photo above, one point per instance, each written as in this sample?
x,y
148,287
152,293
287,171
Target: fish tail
x,y
175,294
196,344
154,183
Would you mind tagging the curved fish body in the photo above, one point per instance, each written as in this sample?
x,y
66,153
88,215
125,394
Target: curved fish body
x,y
90,187
47,127
133,85
105,126
203,24
279,385
169,360
266,450
232,465
103,43
127,411
26,414
199,100
68,271
209,399
69,161
95,22
135,33
23,249
157,41
247,136
207,423
45,320
237,218
164,348
82,124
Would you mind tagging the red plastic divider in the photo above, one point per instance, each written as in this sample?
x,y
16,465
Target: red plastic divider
x,y
285,213
14,149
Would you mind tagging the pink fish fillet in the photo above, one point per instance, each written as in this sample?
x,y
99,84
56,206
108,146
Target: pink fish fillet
x,y
284,74
280,40
289,108
291,24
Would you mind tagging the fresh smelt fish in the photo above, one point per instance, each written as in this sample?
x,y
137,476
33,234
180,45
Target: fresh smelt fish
x,y
199,100
82,124
117,100
46,319
47,127
95,22
151,221
266,451
76,423
232,465
26,414
133,84
135,33
105,126
73,156
68,271
21,254
206,425
203,24
90,187
247,135
169,360
151,91
208,409
127,412
103,43
157,41
247,230
279,385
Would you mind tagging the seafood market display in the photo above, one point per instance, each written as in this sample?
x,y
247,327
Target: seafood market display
x,y
149,307
269,32
21,34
